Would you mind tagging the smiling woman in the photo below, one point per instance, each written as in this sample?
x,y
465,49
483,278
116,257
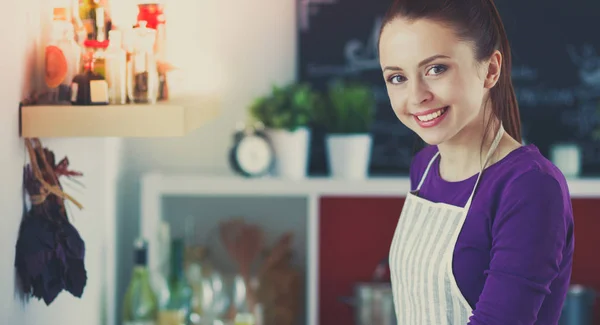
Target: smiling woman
x,y
486,234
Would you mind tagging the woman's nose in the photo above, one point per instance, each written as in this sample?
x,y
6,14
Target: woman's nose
x,y
420,93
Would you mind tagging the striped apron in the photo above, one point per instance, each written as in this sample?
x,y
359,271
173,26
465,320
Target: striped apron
x,y
423,284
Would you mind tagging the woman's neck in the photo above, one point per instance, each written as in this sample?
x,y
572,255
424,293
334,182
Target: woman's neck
x,y
464,155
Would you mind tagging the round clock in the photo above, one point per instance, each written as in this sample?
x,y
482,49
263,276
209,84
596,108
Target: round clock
x,y
252,154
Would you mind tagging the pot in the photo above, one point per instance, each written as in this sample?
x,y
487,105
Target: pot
x,y
291,152
372,301
349,155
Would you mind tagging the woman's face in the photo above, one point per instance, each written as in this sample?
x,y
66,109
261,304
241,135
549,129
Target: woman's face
x,y
435,84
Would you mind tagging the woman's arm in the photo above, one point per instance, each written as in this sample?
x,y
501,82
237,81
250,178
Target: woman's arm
x,y
529,234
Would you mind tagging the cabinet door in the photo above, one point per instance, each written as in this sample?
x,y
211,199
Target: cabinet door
x,y
355,235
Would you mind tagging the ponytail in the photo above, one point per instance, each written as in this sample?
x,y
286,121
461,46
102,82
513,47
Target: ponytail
x,y
504,99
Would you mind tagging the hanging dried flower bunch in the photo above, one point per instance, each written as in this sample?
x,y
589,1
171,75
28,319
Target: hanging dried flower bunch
x,y
49,252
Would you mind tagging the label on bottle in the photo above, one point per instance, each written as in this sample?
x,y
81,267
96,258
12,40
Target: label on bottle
x,y
74,89
140,322
98,91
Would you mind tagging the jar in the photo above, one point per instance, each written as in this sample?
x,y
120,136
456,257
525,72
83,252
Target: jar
x,y
142,72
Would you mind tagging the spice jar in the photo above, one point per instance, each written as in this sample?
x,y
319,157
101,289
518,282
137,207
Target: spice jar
x,y
142,73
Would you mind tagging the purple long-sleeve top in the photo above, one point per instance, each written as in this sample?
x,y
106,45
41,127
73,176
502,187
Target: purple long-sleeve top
x,y
513,257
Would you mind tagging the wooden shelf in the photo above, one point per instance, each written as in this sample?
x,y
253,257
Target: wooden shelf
x,y
169,119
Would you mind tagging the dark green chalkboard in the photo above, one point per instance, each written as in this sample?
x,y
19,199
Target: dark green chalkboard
x,y
556,72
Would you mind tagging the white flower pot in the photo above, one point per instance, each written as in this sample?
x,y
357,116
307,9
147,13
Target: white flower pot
x,y
349,155
291,152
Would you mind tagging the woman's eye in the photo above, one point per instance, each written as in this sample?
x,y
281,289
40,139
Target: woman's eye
x,y
437,69
396,79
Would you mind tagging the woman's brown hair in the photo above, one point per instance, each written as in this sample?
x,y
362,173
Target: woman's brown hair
x,y
477,21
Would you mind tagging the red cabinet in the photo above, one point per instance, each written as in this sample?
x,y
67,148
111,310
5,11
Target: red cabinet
x,y
355,234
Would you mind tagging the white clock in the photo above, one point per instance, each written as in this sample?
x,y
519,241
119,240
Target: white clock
x,y
252,154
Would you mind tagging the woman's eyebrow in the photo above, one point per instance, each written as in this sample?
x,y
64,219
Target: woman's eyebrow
x,y
422,63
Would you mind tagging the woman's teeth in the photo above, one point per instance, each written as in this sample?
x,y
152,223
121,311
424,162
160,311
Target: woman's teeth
x,y
431,116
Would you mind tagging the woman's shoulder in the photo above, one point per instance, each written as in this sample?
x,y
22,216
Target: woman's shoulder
x,y
525,176
524,165
529,197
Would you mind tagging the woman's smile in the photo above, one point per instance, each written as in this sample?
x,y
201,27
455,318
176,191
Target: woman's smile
x,y
432,117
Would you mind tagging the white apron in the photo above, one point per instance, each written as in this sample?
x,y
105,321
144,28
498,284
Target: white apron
x,y
424,288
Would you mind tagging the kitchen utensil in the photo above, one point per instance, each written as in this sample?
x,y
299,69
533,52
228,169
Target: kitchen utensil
x,y
372,301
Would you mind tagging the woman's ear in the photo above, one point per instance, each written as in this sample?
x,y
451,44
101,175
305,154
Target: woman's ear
x,y
494,70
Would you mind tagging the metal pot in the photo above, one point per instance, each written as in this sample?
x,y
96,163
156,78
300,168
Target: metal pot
x,y
373,302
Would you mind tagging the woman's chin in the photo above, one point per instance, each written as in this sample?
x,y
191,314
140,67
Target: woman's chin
x,y
432,142
432,137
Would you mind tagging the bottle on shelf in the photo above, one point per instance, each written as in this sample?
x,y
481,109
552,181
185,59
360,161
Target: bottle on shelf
x,y
142,73
153,13
89,88
63,57
116,68
176,310
100,25
93,15
140,304
88,16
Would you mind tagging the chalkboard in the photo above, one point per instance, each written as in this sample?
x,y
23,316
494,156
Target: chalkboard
x,y
556,72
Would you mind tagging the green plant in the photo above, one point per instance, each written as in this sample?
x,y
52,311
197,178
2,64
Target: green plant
x,y
350,108
288,107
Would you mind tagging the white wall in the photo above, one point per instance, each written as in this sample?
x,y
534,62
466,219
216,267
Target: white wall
x,y
94,157
11,162
253,45
237,48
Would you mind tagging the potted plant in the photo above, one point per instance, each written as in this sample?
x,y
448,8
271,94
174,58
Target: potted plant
x,y
347,119
286,114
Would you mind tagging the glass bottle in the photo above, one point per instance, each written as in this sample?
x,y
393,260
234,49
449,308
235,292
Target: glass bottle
x,y
153,13
176,311
89,88
63,56
72,52
140,305
87,14
116,68
142,73
93,17
100,25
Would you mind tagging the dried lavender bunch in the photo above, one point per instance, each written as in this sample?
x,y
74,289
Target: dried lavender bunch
x,y
49,252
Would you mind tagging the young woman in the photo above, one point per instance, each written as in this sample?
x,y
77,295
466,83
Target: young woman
x,y
485,237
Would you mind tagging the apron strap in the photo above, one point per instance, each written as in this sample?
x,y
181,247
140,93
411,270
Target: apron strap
x,y
493,148
427,170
